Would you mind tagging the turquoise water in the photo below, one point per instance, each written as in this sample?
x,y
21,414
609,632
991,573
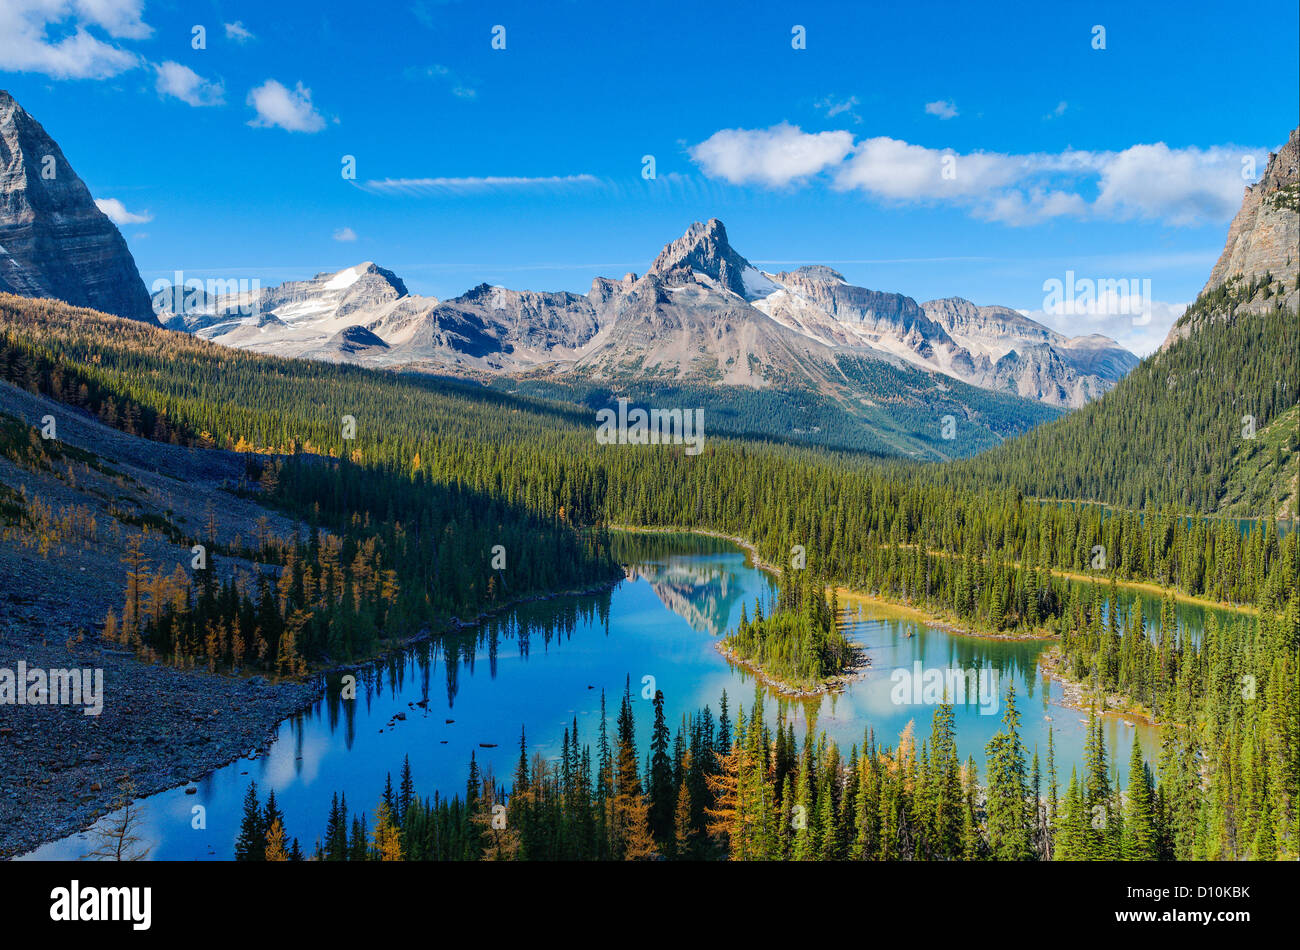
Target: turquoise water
x,y
546,663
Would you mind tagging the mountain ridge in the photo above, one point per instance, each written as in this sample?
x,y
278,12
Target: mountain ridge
x,y
701,311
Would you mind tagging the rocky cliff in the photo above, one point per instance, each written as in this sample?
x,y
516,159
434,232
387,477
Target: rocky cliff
x,y
54,241
1264,235
1260,264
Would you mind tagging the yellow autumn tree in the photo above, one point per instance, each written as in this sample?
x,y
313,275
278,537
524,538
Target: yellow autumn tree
x,y
386,839
275,849
500,838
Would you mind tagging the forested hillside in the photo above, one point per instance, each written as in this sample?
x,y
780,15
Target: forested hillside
x,y
1175,430
382,549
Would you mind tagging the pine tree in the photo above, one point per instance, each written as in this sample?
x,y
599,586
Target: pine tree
x,y
662,787
1140,837
1008,817
251,843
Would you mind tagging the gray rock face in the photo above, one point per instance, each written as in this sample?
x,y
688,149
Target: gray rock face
x,y
1001,349
1263,240
54,241
354,289
991,347
350,344
679,324
868,310
704,249
1264,235
494,328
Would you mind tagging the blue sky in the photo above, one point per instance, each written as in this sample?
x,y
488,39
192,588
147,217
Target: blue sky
x,y
524,166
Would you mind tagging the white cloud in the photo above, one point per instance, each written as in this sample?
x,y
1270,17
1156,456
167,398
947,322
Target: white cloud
x,y
774,157
55,38
943,108
290,109
118,214
1181,186
1178,186
238,32
1032,206
436,186
894,169
1141,336
188,86
1058,111
121,18
345,234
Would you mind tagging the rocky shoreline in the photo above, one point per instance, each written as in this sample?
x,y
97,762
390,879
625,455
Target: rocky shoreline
x,y
1079,696
161,727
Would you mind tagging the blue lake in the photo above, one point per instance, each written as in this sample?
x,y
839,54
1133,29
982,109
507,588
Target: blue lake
x,y
546,664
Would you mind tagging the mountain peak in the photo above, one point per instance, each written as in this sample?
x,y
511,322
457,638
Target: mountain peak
x,y
820,272
704,248
370,275
56,242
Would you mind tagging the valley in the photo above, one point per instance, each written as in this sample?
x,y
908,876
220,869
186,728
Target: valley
x,y
331,510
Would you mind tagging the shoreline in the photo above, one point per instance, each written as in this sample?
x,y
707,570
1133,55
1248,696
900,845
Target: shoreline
x,y
158,767
834,684
1081,697
947,624
1074,692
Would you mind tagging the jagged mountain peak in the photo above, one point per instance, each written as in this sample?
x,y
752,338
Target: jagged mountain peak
x,y
55,240
367,271
704,248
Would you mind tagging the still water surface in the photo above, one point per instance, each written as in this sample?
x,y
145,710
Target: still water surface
x,y
546,664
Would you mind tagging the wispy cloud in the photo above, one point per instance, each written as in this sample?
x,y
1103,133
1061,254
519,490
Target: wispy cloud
x,y
1180,187
458,86
833,107
943,108
345,235
118,214
469,185
290,109
1058,111
238,32
183,83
